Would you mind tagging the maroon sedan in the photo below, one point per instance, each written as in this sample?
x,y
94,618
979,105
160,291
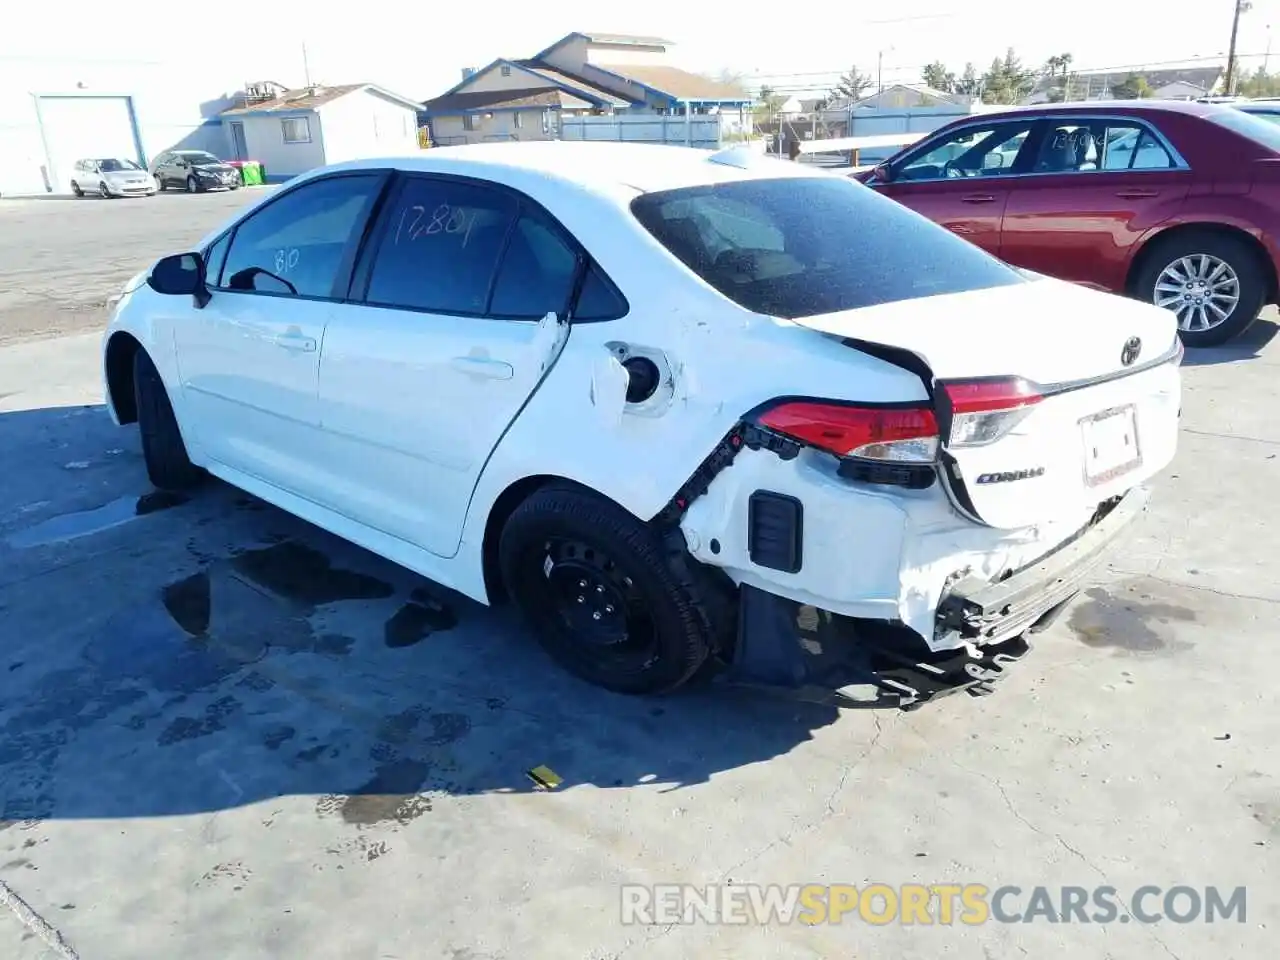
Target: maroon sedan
x,y
1171,202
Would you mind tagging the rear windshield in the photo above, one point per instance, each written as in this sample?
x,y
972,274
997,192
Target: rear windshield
x,y
803,246
1247,125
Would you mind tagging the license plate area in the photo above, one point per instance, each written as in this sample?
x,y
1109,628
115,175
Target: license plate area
x,y
1111,446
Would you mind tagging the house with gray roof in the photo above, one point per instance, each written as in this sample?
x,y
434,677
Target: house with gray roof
x,y
581,75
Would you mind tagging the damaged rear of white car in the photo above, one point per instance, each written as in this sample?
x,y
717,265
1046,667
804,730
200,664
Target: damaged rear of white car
x,y
967,446
685,409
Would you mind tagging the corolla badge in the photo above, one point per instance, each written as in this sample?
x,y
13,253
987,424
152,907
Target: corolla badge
x,y
1129,353
1010,476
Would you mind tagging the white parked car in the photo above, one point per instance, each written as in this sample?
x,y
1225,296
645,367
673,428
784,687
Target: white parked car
x,y
661,398
111,177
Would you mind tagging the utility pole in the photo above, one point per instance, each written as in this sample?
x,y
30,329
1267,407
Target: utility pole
x,y
1242,6
306,68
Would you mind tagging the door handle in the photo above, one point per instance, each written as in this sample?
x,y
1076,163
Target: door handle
x,y
1137,194
296,341
483,367
978,198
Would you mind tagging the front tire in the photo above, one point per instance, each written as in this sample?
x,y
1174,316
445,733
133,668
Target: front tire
x,y
597,588
163,449
1214,283
103,191
160,184
192,186
75,188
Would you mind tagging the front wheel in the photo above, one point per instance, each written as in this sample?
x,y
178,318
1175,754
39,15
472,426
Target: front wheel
x,y
192,186
1214,283
594,582
160,185
75,188
163,449
103,191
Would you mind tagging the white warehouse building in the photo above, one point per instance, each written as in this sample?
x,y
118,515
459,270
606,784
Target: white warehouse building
x,y
57,110
54,111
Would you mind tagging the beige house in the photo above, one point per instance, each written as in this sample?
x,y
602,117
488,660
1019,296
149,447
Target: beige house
x,y
581,75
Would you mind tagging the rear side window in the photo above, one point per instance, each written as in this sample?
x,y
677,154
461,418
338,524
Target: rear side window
x,y
440,247
804,246
295,245
536,275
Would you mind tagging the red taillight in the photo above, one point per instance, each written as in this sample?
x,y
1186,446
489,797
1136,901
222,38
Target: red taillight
x,y
983,411
905,434
979,396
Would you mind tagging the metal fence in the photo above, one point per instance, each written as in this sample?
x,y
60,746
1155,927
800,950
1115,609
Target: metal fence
x,y
696,130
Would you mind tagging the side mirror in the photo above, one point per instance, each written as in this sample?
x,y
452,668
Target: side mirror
x,y
883,173
182,273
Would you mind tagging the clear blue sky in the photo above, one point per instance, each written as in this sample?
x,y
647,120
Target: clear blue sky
x,y
419,49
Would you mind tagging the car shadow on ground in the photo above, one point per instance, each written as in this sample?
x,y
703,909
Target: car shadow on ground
x,y
1247,346
173,655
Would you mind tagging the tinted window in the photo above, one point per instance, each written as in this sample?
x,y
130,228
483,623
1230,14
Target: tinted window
x,y
970,152
537,273
301,237
598,299
842,245
440,248
1247,125
1128,146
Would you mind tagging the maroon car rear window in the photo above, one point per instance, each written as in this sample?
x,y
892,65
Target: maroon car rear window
x,y
1255,128
804,246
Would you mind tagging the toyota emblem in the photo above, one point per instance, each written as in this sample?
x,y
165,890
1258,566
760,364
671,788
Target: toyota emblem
x,y
1132,347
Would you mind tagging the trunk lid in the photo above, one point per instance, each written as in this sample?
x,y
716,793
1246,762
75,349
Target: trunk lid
x,y
1102,425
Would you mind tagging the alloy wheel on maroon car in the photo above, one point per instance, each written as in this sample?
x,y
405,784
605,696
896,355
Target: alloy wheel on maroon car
x,y
1214,281
1202,291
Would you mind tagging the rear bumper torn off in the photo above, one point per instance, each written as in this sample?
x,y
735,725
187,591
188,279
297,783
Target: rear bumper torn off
x,y
980,612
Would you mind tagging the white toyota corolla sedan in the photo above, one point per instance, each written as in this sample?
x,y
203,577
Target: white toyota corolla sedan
x,y
684,408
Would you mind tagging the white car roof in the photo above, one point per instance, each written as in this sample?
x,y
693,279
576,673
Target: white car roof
x,y
603,166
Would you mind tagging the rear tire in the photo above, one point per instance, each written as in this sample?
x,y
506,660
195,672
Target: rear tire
x,y
160,185
1239,259
75,188
600,594
163,449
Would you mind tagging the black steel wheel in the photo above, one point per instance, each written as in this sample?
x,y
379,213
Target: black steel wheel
x,y
601,595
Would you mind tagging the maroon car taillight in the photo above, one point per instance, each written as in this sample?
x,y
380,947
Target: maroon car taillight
x,y
984,410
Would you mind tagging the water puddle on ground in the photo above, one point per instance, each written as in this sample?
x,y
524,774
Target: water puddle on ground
x,y
72,526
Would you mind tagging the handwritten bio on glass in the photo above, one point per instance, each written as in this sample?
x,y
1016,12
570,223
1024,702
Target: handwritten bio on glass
x,y
443,220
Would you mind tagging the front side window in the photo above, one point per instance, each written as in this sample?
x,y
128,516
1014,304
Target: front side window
x,y
296,130
982,151
295,244
804,246
440,247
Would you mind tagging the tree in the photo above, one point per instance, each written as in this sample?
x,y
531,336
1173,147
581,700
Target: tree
x,y
1260,83
852,85
937,76
969,83
1007,80
1132,87
1055,68
768,103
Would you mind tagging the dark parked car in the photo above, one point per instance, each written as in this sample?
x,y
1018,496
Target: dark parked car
x,y
193,171
1172,202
